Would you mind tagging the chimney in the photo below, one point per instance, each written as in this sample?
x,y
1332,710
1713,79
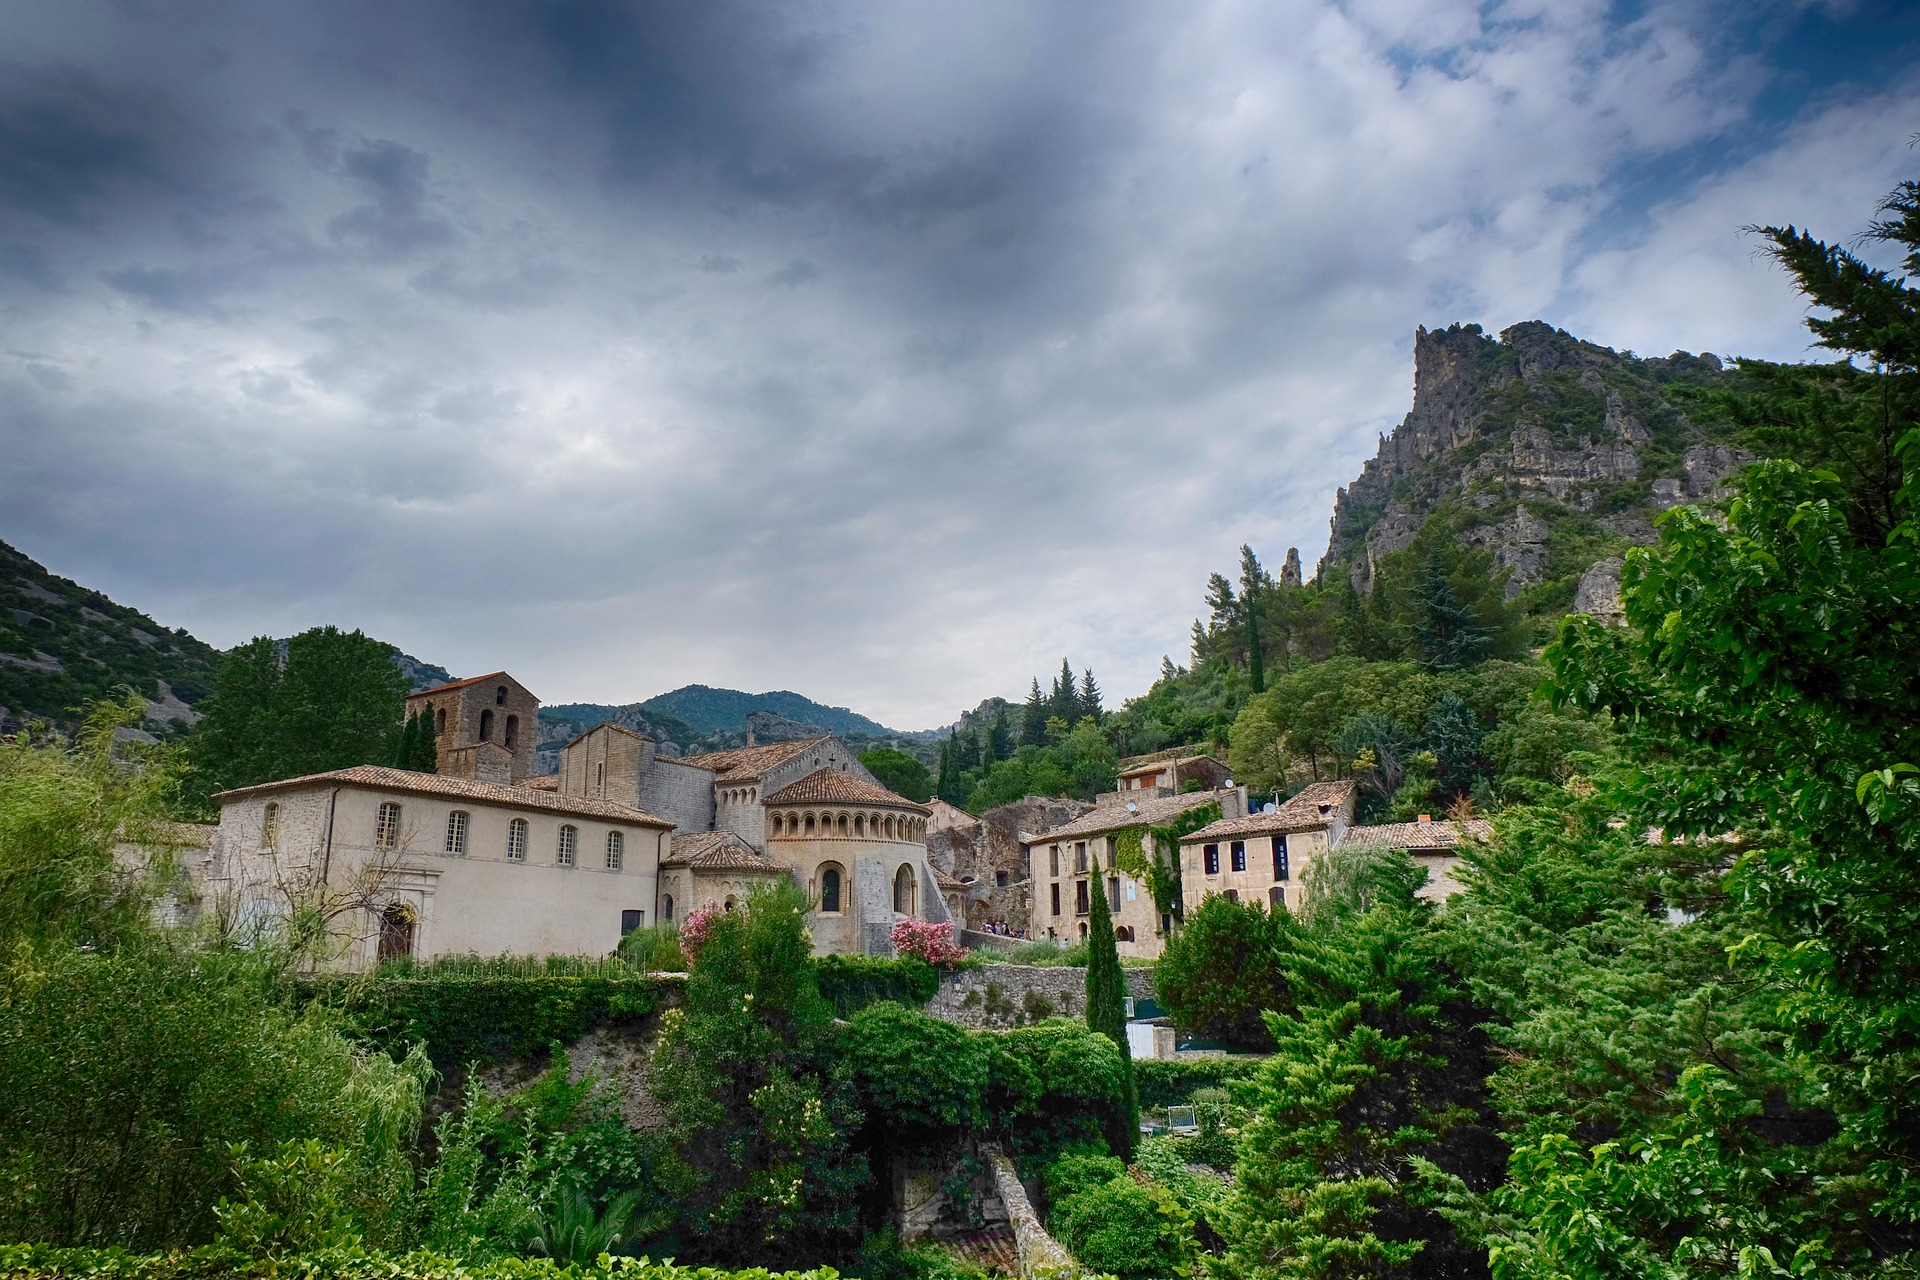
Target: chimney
x,y
749,737
1426,819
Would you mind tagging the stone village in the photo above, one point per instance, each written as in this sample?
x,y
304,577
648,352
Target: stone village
x,y
486,857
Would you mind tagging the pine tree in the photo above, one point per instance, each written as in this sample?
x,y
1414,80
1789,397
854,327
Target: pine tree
x,y
998,734
1033,718
1252,584
1065,702
1090,697
1107,1000
947,785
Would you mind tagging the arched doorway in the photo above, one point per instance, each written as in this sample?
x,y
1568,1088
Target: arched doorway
x,y
903,886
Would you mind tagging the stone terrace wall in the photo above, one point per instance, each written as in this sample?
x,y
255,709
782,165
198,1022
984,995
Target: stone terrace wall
x,y
1016,995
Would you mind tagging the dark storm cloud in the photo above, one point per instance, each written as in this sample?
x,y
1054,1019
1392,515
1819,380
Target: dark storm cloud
x,y
884,352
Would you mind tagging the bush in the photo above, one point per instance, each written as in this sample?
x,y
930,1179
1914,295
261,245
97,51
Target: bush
x,y
1122,1227
916,1073
927,940
1080,1171
44,1262
1047,955
1054,1085
472,1009
654,949
1222,969
1167,1082
852,983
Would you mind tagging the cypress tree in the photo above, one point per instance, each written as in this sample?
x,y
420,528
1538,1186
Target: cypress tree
x,y
1252,580
1090,697
1033,718
1107,1000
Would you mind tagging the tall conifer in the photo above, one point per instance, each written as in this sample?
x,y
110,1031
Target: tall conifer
x,y
1107,999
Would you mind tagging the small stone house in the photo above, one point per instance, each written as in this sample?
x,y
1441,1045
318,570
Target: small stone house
x,y
1433,845
1263,857
483,728
1171,771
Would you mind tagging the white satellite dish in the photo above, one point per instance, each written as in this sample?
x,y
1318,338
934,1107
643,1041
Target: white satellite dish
x,y
1132,807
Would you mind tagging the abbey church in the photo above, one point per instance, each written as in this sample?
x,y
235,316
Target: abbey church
x,y
485,857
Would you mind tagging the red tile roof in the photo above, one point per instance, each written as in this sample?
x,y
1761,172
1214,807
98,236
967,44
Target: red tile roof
x,y
1417,837
745,764
375,777
830,786
1302,812
717,851
461,684
1148,811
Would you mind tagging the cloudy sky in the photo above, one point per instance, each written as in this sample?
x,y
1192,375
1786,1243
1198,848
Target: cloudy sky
x,y
881,351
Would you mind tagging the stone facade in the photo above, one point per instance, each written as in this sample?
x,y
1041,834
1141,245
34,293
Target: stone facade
x,y
495,709
1264,857
987,860
996,996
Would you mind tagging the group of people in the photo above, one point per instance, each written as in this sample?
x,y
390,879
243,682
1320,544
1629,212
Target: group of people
x,y
1001,929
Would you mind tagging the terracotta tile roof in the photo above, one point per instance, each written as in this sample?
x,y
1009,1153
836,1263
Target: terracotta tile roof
x,y
717,851
744,764
1417,836
1300,813
1151,811
945,882
1192,751
830,786
379,778
544,782
461,684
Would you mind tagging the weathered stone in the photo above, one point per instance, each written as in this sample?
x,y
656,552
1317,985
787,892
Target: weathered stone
x,y
1018,995
1599,592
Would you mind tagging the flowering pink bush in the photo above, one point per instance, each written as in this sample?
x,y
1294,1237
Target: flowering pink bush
x,y
931,941
695,929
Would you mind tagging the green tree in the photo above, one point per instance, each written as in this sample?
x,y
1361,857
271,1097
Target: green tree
x,y
1089,697
1107,1002
1221,971
899,773
1033,718
1445,600
1255,587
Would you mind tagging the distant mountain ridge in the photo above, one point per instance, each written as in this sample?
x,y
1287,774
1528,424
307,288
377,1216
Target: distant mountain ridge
x,y
713,710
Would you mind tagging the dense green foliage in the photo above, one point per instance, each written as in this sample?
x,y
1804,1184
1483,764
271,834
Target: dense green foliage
x,y
43,1262
75,646
851,983
899,773
1055,748
1107,1001
335,699
1222,969
1114,1224
1163,1082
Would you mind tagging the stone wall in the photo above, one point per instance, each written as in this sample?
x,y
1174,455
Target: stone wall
x,y
1017,995
980,854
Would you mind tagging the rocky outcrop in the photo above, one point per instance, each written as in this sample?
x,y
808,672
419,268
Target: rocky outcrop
x,y
986,856
1518,438
1599,592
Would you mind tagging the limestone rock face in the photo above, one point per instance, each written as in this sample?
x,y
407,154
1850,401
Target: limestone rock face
x,y
981,854
1524,442
1599,592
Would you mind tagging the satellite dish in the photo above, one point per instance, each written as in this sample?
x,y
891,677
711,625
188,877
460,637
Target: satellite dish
x,y
1132,807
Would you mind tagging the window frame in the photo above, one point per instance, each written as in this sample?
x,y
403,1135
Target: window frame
x,y
616,850
1237,855
386,825
1210,859
566,846
270,827
519,835
837,890
1056,897
1282,861
459,829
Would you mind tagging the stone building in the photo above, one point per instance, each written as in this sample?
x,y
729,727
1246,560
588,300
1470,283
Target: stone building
x,y
1263,857
1169,772
808,809
1069,863
483,728
416,864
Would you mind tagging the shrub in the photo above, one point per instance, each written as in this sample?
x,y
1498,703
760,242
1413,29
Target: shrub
x,y
853,982
697,928
917,1075
1222,969
1054,1085
44,1262
1124,1228
1080,1171
1166,1082
654,949
927,940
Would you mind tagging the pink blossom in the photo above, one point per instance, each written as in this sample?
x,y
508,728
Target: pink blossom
x,y
929,940
695,929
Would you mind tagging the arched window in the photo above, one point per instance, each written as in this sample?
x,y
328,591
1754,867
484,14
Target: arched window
x,y
386,826
513,733
440,720
889,827
500,696
666,906
728,904
517,840
270,826
830,889
616,850
809,824
486,725
457,833
1083,931
859,824
1276,897
903,890
842,824
1123,934
568,851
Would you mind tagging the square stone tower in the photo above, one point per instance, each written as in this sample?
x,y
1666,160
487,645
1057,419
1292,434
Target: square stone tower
x,y
495,709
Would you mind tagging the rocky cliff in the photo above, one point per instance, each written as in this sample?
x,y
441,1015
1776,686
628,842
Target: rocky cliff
x,y
1551,453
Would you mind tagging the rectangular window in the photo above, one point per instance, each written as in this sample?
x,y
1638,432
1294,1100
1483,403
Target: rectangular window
x,y
457,833
517,840
1081,903
1279,857
631,920
1080,855
616,850
1233,895
568,851
1056,896
1211,855
386,826
1000,879
1053,861
1238,851
1113,893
